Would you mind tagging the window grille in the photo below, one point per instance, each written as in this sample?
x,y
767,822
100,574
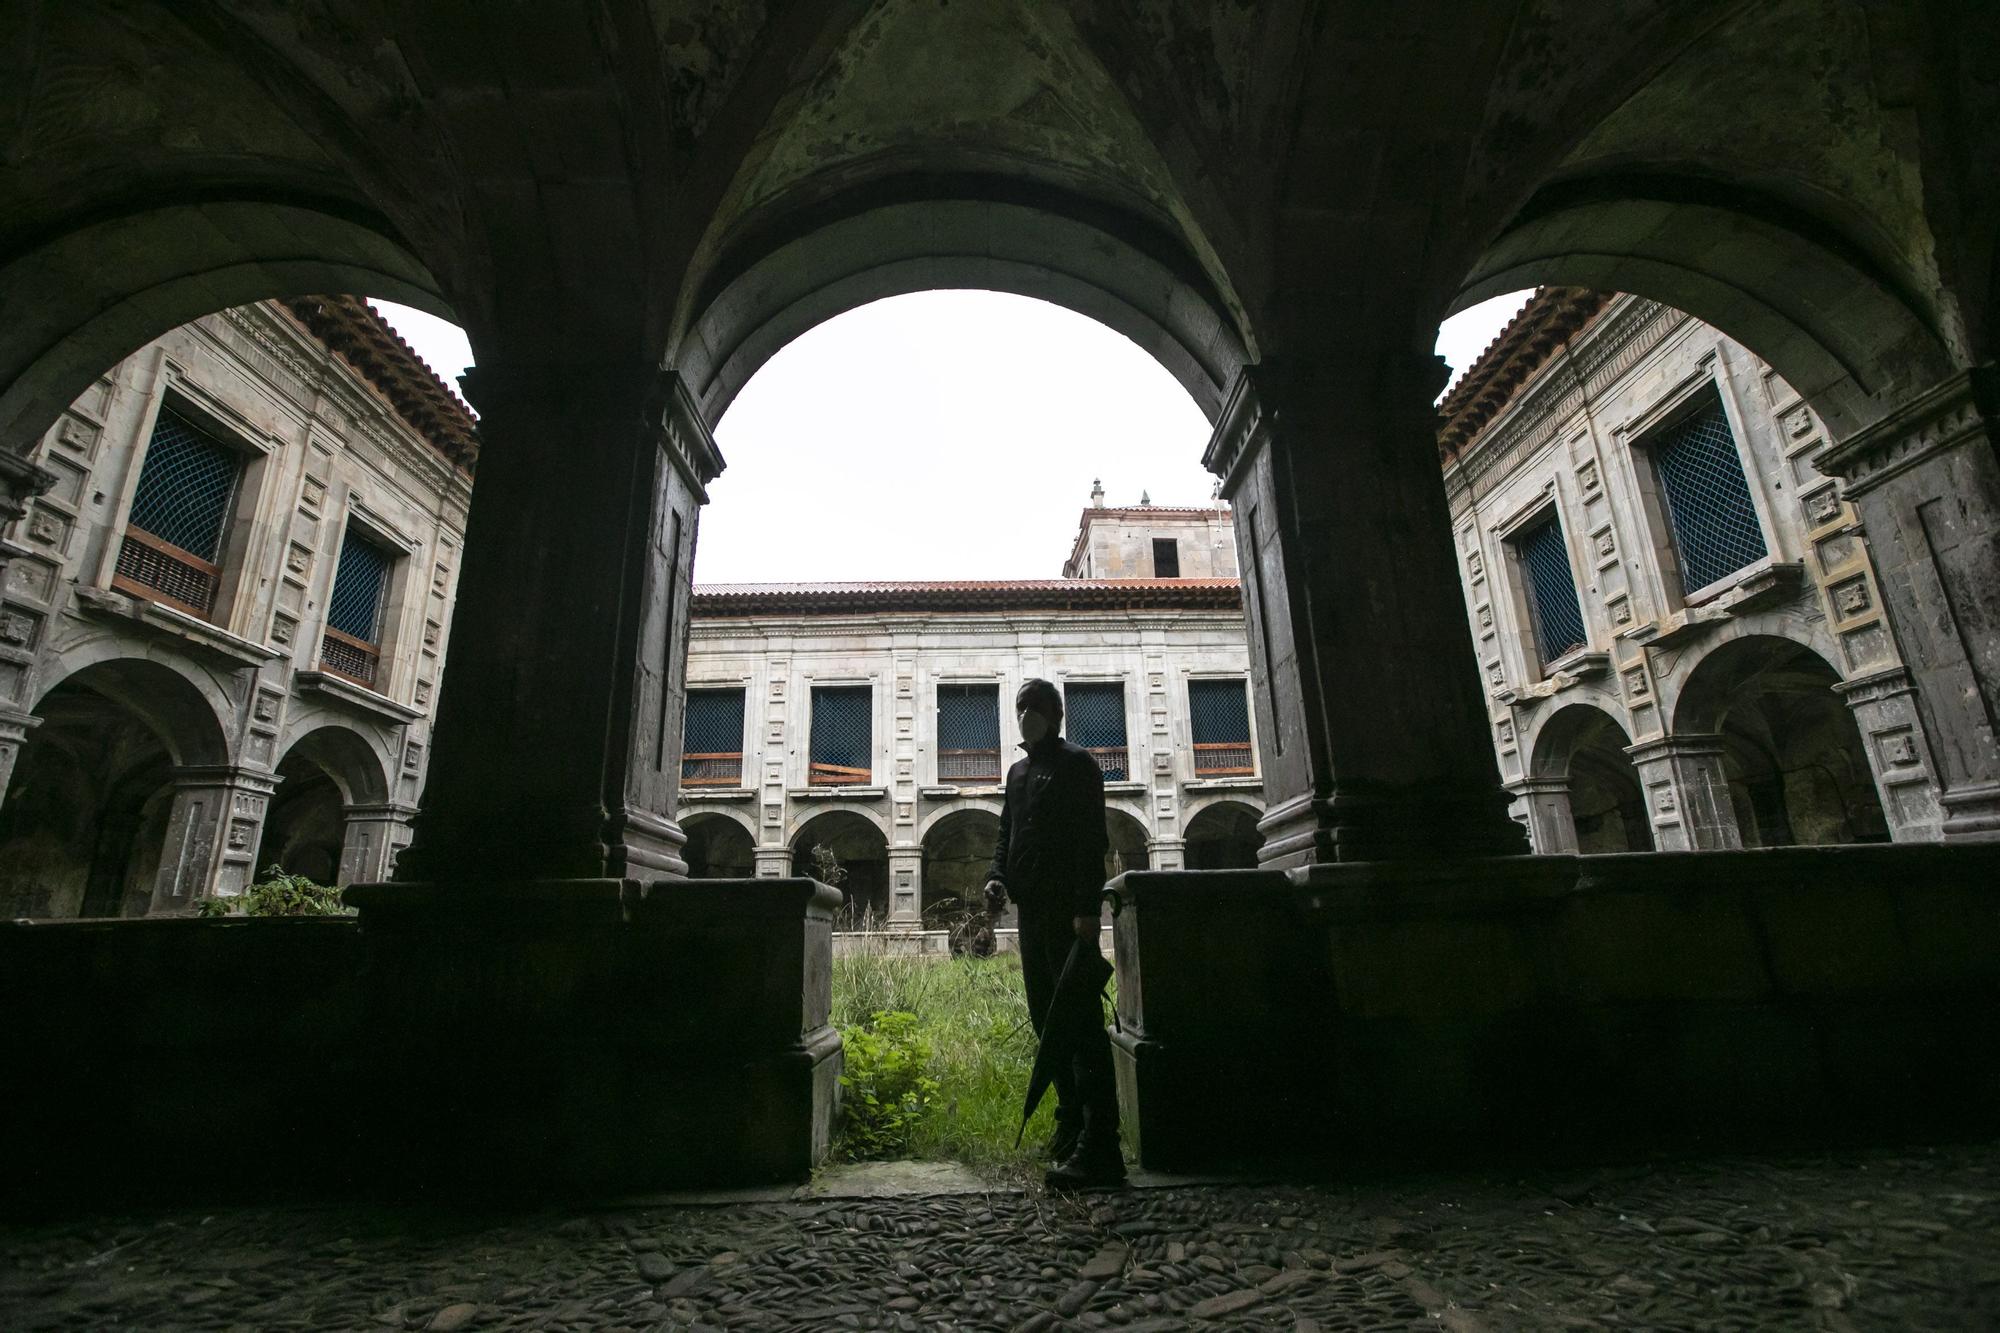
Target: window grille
x,y
841,747
352,644
1708,500
1552,603
1166,558
1220,710
712,739
968,733
180,508
1094,716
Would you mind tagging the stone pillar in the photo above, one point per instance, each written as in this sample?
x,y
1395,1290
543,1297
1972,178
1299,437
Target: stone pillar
x,y
213,831
773,862
906,888
1926,480
1687,793
1166,854
556,753
371,835
14,729
1551,821
1886,712
1371,729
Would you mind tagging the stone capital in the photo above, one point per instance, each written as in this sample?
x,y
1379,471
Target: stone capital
x,y
653,402
1372,391
1693,746
257,781
1958,410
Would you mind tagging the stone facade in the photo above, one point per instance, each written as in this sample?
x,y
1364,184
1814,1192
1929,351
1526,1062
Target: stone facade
x,y
914,824
1702,660
175,724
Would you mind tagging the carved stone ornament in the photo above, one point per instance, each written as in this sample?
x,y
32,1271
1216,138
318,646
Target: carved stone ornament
x,y
266,708
1586,478
1665,802
16,628
1636,685
1851,598
1900,749
1823,507
45,528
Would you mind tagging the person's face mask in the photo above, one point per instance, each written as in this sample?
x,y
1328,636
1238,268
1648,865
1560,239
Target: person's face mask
x,y
1034,726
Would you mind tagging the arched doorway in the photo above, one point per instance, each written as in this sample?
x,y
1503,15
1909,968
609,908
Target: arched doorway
x,y
857,843
1583,748
1797,770
958,851
327,773
1128,844
84,825
718,847
1223,836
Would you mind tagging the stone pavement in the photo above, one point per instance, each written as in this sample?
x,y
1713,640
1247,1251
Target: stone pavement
x,y
1851,1240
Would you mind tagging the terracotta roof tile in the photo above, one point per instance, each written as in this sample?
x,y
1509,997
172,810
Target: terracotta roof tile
x,y
743,599
1550,319
350,328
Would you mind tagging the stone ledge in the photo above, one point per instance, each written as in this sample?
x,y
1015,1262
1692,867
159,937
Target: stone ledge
x,y
717,795
176,626
837,793
353,696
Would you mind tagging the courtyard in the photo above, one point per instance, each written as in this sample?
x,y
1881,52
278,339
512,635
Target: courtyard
x,y
1907,1239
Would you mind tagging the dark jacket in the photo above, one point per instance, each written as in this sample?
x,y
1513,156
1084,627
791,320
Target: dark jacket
x,y
1052,836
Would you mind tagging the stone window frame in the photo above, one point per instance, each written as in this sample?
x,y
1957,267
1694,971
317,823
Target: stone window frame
x,y
1511,583
1636,436
245,541
1131,698
800,760
927,727
1191,674
395,679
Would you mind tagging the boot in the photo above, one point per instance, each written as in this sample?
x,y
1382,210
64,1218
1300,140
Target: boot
x,y
1068,1133
1094,1165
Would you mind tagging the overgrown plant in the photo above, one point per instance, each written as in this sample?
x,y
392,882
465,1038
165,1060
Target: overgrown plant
x,y
277,894
886,1084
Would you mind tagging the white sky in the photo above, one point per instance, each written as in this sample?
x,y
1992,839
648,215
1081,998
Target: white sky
x,y
942,435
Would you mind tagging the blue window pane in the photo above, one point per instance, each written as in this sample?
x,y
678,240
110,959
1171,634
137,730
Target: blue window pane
x,y
1221,712
1708,500
1557,616
185,487
355,608
968,717
714,723
840,730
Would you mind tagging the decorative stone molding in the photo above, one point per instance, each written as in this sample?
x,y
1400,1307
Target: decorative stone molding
x,y
1953,412
186,631
21,480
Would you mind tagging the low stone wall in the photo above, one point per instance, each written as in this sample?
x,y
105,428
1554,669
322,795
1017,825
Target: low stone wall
x,y
1558,1005
578,1035
145,1056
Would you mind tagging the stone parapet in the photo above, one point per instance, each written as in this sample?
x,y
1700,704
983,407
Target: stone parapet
x,y
1552,1006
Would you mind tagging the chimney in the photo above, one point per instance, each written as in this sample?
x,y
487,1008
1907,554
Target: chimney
x,y
1096,493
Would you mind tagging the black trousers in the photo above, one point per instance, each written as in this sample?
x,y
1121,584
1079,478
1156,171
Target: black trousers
x,y
1085,1086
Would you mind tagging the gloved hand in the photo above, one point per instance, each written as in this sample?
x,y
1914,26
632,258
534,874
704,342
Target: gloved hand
x,y
996,897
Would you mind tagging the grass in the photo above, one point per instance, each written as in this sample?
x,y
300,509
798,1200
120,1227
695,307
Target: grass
x,y
972,1016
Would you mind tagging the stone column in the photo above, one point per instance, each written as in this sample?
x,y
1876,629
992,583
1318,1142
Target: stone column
x,y
1371,729
906,888
213,831
773,862
1551,821
1926,480
1166,854
14,729
371,835
556,754
1687,793
1886,712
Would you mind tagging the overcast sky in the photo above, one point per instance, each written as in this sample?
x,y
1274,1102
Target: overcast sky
x,y
942,435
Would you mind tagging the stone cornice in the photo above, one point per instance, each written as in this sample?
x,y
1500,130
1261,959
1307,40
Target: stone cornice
x,y
21,480
1953,412
1241,421
688,440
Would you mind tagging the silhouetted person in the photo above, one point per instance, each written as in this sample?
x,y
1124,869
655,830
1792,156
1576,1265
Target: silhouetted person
x,y
1050,861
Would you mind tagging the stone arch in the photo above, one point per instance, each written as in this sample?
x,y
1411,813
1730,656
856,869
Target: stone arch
x,y
83,825
719,846
325,772
187,713
1223,835
1129,843
958,849
1797,768
1116,271
946,809
859,841
1847,334
1582,746
149,270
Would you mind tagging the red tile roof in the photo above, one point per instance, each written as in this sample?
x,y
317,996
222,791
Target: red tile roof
x,y
1551,318
350,328
715,600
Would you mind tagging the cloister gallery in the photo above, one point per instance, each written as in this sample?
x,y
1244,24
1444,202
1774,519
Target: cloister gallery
x,y
629,207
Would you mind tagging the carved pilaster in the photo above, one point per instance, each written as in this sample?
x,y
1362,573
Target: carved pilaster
x,y
1926,481
1371,730
558,739
1687,793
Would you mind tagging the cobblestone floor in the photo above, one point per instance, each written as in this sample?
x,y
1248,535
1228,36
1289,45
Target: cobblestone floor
x,y
1876,1240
